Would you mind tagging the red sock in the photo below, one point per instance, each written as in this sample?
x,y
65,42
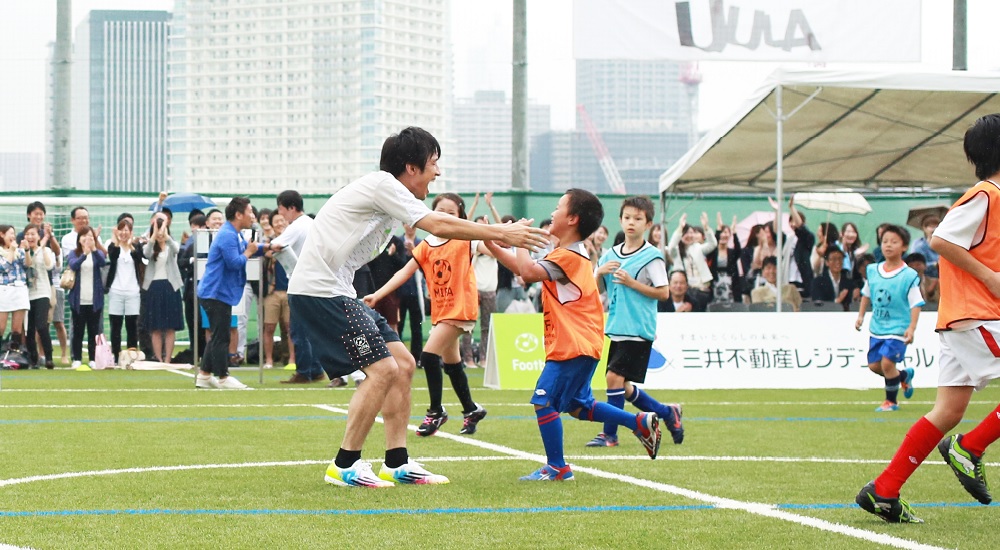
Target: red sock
x,y
918,443
982,435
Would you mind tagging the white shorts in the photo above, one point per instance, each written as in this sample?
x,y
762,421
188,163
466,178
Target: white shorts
x,y
122,303
970,357
14,298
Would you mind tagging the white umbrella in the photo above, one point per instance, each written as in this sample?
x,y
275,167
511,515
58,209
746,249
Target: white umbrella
x,y
837,203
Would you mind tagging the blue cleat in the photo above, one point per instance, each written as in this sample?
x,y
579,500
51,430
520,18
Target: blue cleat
x,y
550,473
887,406
676,428
603,440
649,432
907,383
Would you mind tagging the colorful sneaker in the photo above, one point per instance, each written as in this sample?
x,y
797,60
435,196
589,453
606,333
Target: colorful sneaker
x,y
890,510
676,428
649,432
411,473
431,423
360,474
471,420
550,473
907,384
967,466
887,406
603,440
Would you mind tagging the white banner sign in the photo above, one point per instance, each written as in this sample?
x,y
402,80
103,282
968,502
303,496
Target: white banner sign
x,y
748,30
776,350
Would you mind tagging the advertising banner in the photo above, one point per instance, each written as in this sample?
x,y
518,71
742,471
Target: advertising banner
x,y
748,30
729,350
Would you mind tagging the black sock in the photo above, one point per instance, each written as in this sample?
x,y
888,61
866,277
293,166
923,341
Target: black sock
x,y
394,458
435,380
346,459
460,383
892,388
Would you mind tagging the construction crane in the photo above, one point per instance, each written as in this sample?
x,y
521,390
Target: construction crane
x,y
601,151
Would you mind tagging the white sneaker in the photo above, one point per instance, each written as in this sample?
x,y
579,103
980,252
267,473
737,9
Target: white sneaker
x,y
230,383
411,472
209,383
358,475
75,365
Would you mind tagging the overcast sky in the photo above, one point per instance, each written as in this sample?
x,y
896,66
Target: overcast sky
x,y
482,48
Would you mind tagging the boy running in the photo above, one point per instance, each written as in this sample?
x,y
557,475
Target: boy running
x,y
893,289
968,326
634,276
574,333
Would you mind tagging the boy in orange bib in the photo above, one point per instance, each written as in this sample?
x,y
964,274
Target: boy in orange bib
x,y
968,327
574,334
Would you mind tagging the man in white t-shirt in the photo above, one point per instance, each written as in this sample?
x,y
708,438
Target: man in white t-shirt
x,y
350,230
287,248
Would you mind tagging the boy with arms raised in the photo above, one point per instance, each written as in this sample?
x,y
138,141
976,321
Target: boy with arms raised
x,y
574,333
634,276
893,289
968,326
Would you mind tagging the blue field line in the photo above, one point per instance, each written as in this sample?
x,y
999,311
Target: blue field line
x,y
438,511
3,422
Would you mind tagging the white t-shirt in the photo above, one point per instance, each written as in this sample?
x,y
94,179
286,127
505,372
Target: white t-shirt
x,y
68,242
125,280
42,261
965,224
295,234
86,281
486,271
349,231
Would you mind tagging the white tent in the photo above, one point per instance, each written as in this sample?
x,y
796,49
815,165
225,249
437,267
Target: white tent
x,y
842,130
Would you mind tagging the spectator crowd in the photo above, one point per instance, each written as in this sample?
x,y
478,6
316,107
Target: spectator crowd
x,y
140,280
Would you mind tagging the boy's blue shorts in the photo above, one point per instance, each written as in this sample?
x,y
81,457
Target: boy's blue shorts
x,y
565,385
890,348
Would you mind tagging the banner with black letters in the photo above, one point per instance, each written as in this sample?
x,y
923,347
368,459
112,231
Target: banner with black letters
x,y
748,30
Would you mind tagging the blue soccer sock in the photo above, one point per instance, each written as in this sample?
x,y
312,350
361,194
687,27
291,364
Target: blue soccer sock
x,y
550,426
603,412
644,402
892,388
616,398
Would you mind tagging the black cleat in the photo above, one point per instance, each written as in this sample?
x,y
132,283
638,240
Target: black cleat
x,y
968,468
471,420
890,510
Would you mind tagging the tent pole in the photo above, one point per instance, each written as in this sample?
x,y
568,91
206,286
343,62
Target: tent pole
x,y
779,236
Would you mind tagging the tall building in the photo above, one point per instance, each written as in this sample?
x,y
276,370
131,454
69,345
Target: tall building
x,y
21,172
633,96
119,92
482,135
642,113
300,94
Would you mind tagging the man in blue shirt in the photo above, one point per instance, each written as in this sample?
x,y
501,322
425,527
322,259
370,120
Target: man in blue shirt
x,y
220,289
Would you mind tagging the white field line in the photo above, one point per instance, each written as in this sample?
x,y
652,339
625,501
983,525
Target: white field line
x,y
9,547
766,510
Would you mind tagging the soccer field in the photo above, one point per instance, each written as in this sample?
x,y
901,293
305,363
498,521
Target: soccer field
x,y
128,459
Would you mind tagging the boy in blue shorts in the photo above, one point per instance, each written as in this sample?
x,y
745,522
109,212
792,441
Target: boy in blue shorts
x,y
574,334
634,276
893,289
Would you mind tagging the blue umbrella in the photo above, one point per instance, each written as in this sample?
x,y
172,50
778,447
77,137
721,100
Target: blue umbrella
x,y
185,202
